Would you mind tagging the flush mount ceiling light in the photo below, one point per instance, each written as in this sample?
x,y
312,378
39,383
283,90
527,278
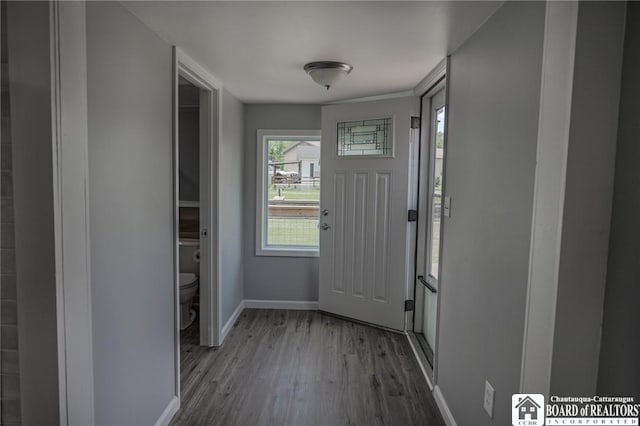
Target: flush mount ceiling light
x,y
327,73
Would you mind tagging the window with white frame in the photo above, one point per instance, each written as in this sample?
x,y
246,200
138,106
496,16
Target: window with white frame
x,y
288,193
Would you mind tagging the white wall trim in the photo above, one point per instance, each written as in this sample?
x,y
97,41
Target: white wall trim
x,y
71,211
170,410
419,360
232,320
394,95
196,70
549,193
210,291
443,406
308,305
437,73
211,319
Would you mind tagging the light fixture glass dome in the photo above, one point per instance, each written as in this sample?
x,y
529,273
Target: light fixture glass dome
x,y
327,73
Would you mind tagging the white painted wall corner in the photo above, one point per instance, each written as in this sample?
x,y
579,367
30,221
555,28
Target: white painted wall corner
x,y
232,320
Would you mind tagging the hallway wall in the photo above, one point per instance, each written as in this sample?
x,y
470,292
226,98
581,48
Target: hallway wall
x,y
588,191
233,181
131,215
494,91
270,277
619,372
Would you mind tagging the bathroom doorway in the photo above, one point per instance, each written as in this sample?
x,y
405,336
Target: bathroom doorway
x,y
197,109
189,206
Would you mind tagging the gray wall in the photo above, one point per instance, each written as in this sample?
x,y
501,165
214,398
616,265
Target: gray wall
x,y
588,195
268,277
30,87
619,372
233,178
131,215
494,85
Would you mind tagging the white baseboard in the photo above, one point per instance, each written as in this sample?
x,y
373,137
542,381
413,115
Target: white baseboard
x,y
169,412
232,320
444,408
423,368
308,305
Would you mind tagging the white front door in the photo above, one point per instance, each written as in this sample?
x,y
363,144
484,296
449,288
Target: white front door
x,y
364,238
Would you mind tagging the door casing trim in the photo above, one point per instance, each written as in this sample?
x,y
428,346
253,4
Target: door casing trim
x,y
210,299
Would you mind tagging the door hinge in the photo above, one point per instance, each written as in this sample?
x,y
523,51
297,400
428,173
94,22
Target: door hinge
x,y
408,305
415,122
412,216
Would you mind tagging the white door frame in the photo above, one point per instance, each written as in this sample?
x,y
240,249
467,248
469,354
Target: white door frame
x,y
433,83
71,211
561,26
211,131
424,210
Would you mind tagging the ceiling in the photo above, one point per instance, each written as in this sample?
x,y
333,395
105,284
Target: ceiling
x,y
258,49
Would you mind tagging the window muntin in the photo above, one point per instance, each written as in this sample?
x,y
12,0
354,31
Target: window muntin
x,y
371,138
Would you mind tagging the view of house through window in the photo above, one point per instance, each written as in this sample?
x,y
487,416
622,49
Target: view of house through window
x,y
293,193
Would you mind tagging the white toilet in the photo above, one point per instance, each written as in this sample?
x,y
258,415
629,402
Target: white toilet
x,y
188,288
189,268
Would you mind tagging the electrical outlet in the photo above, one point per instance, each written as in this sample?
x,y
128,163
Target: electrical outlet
x,y
489,397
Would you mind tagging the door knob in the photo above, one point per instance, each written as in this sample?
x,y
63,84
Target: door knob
x,y
325,212
324,226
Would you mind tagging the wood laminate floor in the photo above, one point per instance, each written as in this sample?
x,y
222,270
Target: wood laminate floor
x,y
280,367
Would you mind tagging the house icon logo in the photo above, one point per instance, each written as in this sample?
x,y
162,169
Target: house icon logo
x,y
527,410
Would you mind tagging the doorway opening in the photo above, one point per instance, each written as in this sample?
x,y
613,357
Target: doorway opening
x,y
197,133
189,206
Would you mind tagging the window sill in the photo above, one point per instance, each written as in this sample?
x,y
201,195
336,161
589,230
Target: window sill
x,y
282,252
